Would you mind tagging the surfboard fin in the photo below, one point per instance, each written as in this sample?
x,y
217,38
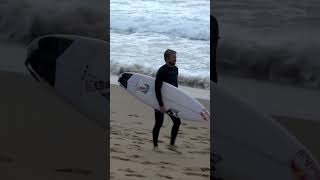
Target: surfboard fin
x,y
31,72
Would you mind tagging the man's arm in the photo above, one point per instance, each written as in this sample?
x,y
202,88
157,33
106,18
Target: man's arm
x,y
158,85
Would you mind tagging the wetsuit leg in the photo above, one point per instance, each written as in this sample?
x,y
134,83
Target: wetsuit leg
x,y
159,116
175,129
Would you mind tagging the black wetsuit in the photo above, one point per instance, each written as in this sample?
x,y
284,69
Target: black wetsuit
x,y
214,31
167,74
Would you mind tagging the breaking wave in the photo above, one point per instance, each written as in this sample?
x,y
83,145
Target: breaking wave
x,y
24,20
200,81
289,58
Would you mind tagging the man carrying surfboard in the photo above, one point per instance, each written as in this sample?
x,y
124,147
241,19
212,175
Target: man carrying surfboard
x,y
166,73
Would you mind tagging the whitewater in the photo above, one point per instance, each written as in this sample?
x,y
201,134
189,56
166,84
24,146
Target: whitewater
x,y
140,32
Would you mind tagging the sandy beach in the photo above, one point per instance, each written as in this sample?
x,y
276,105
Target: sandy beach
x,y
132,155
42,136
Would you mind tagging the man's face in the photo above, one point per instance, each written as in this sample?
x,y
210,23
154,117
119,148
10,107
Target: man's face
x,y
172,59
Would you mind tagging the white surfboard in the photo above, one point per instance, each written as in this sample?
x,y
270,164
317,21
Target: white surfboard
x,y
76,67
177,102
249,145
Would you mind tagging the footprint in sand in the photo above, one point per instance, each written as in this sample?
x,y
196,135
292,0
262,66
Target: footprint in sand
x,y
140,133
192,128
157,150
205,169
201,137
133,145
203,142
196,174
188,169
146,139
164,176
138,142
199,152
187,146
135,175
127,170
121,158
133,115
147,162
117,151
120,138
135,156
137,148
136,138
174,149
166,163
194,139
116,132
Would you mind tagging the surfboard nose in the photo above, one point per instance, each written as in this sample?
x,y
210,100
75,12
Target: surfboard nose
x,y
123,79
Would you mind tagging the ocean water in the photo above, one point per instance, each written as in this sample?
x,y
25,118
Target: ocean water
x,y
141,30
270,40
24,20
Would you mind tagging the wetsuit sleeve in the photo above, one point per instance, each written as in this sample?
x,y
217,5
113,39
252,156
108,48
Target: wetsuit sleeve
x,y
158,85
177,76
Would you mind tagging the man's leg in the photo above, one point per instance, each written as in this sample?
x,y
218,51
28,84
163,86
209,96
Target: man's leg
x,y
175,129
158,124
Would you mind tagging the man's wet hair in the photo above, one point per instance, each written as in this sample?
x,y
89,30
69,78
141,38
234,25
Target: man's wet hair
x,y
167,53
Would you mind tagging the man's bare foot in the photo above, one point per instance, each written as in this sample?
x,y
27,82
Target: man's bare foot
x,y
156,148
174,148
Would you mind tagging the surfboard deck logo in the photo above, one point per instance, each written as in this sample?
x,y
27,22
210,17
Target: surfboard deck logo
x,y
143,87
93,84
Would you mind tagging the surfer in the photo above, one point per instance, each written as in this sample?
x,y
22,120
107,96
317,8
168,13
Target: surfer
x,y
166,73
